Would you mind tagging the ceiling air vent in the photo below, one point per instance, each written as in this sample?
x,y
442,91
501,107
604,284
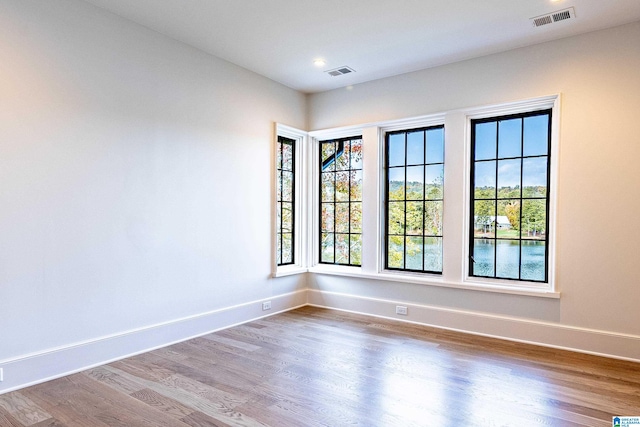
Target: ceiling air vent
x,y
550,18
340,71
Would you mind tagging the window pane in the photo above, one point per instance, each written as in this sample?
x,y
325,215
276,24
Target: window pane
x,y
415,183
287,245
279,154
287,217
327,151
414,218
534,219
435,145
327,187
433,218
279,216
342,249
483,254
396,183
435,182
534,177
278,248
485,180
395,252
508,221
485,143
327,219
510,138
342,186
287,157
342,156
326,248
396,217
536,135
342,217
484,218
509,178
433,254
356,185
414,253
356,217
507,259
287,187
415,148
533,260
356,154
396,149
356,249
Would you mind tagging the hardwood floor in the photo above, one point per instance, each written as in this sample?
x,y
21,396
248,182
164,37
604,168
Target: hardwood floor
x,y
315,367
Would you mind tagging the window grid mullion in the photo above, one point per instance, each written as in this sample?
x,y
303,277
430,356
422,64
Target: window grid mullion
x,y
521,198
495,204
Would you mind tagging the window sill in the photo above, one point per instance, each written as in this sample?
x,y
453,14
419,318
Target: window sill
x,y
433,280
288,270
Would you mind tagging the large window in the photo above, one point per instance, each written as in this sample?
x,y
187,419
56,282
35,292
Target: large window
x,y
341,201
510,176
285,200
414,169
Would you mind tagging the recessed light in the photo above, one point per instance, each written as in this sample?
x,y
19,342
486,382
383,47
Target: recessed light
x,y
319,62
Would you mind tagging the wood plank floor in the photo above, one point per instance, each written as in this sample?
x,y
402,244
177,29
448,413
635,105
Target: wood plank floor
x,y
315,367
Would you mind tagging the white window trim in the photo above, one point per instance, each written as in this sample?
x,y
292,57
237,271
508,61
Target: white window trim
x,y
300,205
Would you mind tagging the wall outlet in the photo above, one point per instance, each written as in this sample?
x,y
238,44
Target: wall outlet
x,y
401,309
266,305
1,374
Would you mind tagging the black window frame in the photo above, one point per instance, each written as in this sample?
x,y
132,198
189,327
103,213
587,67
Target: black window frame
x,y
282,140
424,236
547,198
322,166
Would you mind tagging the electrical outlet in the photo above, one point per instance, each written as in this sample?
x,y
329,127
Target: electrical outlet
x,y
1,374
266,305
401,309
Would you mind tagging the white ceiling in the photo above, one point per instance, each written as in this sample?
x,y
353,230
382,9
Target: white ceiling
x,y
378,38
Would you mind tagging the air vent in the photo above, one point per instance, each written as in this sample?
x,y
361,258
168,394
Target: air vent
x,y
340,71
551,18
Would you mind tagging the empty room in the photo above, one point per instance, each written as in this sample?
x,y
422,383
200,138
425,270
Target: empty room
x,y
319,213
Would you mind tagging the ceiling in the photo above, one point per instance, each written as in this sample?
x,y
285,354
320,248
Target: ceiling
x,y
280,39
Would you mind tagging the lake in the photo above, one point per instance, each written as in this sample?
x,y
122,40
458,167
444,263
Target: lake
x,y
508,256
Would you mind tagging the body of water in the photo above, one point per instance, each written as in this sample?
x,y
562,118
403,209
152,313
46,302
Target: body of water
x,y
502,258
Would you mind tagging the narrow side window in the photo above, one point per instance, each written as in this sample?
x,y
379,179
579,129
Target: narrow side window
x,y
285,201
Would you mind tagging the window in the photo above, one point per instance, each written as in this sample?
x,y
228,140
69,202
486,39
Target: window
x,y
509,206
377,200
289,209
341,201
285,200
414,188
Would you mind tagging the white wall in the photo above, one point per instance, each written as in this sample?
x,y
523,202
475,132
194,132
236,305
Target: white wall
x,y
598,238
134,179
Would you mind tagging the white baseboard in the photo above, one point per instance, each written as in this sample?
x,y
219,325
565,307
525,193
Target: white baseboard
x,y
583,340
54,363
